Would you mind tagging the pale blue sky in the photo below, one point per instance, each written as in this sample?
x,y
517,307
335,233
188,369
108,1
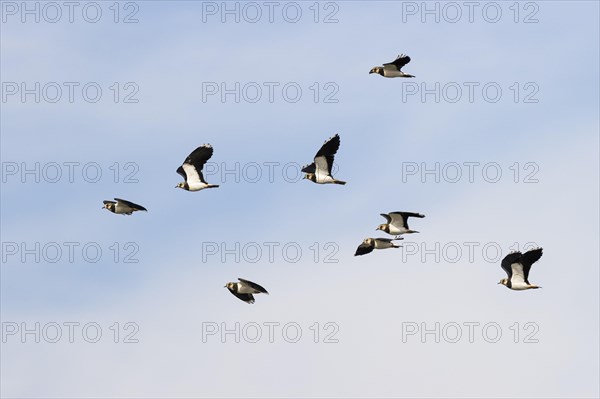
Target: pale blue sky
x,y
170,293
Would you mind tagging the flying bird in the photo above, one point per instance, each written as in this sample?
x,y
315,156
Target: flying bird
x,y
191,170
244,290
122,207
320,170
517,266
393,69
369,244
397,223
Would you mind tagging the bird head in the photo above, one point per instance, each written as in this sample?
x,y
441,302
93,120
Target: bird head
x,y
108,206
375,70
180,185
504,281
229,285
381,227
309,176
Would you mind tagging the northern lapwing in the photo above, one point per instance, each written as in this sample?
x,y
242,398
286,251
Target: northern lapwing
x,y
320,170
244,290
191,170
397,223
517,266
122,207
393,69
369,244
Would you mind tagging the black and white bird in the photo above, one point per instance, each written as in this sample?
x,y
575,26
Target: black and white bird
x,y
517,266
320,170
191,170
122,207
393,69
397,223
244,290
369,244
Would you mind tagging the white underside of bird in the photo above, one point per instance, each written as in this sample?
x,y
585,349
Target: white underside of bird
x,y
197,186
323,178
520,286
395,230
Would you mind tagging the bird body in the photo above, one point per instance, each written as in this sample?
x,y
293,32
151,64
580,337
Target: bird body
x,y
321,178
397,223
320,170
245,289
369,244
191,169
122,207
393,69
517,266
384,243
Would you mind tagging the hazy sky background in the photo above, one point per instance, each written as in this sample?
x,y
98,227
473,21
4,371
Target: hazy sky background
x,y
176,289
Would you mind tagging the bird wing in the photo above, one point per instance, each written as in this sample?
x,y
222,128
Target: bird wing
x,y
407,215
401,218
200,155
192,175
518,276
387,217
191,169
309,168
244,297
131,204
399,62
253,285
528,259
323,165
398,219
182,172
325,156
508,261
364,249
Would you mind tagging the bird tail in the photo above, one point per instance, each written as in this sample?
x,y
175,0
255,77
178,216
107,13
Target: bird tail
x,y
339,182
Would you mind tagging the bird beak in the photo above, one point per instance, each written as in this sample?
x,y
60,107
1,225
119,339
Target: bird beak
x,y
176,186
499,282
